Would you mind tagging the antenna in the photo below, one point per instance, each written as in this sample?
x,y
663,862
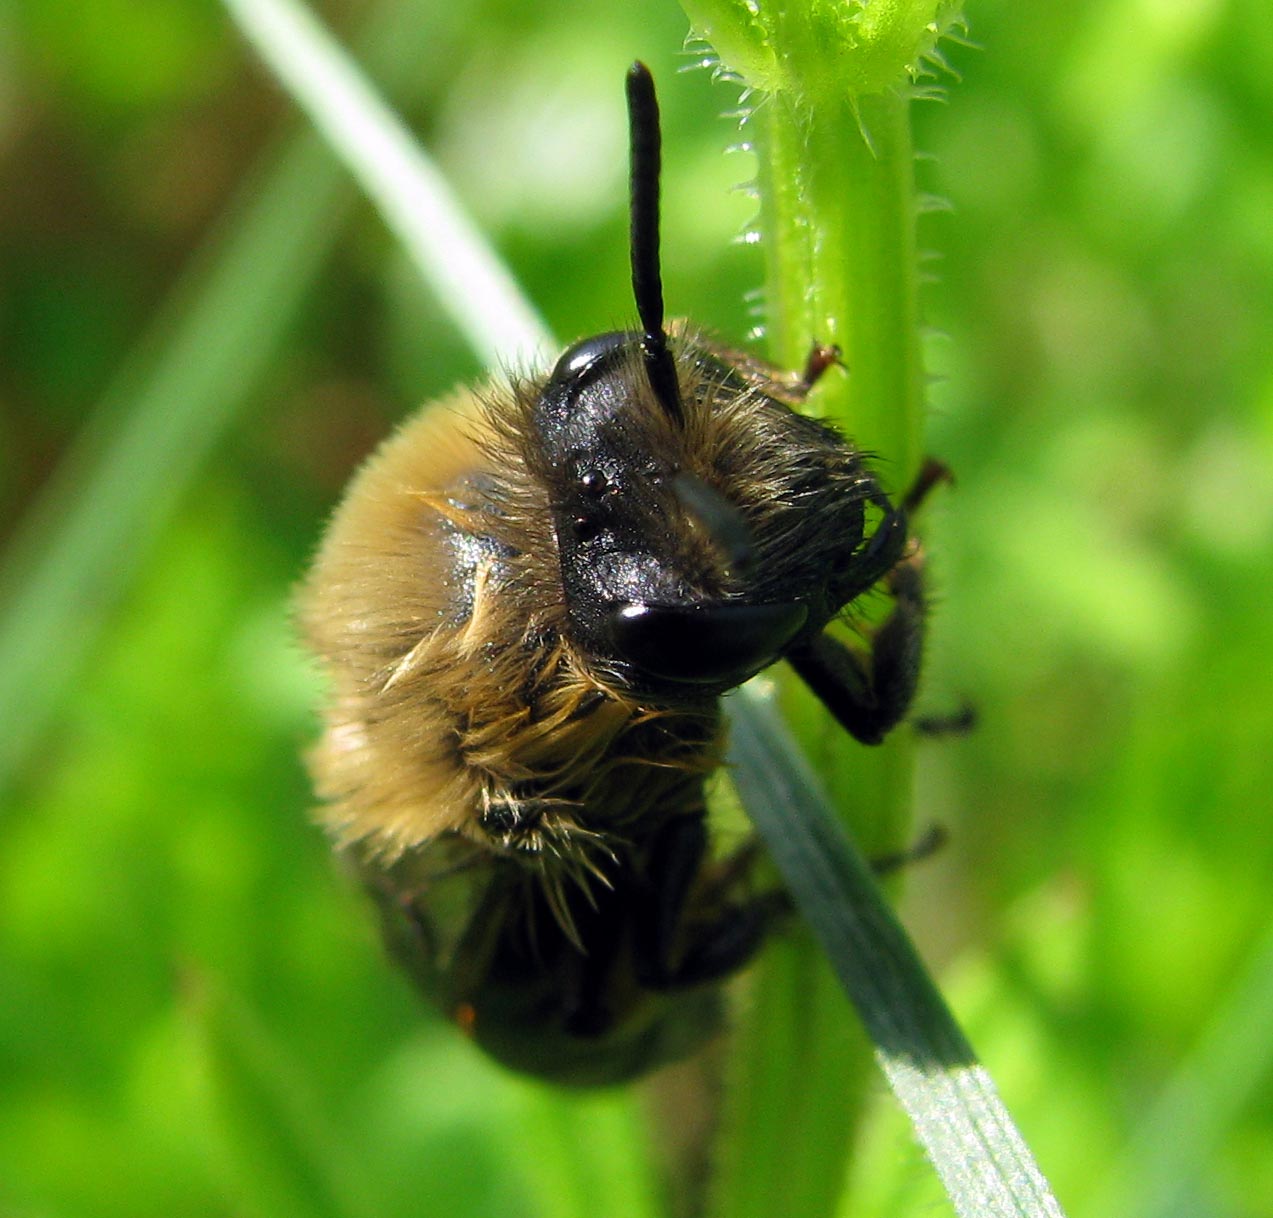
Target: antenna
x,y
647,282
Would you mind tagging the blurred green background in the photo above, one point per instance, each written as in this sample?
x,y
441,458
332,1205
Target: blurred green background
x,y
194,1015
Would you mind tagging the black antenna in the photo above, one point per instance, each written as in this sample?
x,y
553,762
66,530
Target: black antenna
x,y
647,283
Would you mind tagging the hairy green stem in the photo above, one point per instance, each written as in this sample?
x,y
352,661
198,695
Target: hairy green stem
x,y
837,219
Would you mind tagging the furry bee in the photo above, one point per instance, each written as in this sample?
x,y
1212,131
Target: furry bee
x,y
528,607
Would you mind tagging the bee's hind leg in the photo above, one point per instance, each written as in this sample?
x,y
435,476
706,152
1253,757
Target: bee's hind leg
x,y
691,930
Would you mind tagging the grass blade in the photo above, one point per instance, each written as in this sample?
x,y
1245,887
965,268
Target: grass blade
x,y
958,1117
166,409
413,197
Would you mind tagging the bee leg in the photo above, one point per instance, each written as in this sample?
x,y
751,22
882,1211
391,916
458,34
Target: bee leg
x,y
930,842
870,692
932,473
820,358
588,979
723,946
958,722
673,948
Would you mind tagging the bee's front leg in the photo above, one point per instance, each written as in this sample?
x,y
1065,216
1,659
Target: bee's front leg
x,y
869,690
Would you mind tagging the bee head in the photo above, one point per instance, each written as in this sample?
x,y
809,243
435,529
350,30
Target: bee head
x,y
657,563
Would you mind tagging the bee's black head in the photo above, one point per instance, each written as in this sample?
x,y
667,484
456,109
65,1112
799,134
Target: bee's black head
x,y
656,561
688,504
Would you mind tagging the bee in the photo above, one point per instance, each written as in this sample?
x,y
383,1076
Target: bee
x,y
528,606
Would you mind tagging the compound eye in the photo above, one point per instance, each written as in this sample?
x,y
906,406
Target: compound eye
x,y
588,357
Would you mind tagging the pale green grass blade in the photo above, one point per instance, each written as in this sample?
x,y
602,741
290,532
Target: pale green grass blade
x,y
169,405
414,198
983,1162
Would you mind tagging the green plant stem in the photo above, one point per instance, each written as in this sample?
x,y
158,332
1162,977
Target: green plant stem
x,y
838,216
838,223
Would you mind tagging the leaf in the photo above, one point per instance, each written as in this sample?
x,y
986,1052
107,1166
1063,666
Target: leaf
x,y
958,1117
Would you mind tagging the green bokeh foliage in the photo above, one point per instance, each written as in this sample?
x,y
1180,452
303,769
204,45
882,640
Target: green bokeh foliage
x,y
194,1016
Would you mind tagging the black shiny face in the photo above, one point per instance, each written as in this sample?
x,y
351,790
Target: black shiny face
x,y
668,577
